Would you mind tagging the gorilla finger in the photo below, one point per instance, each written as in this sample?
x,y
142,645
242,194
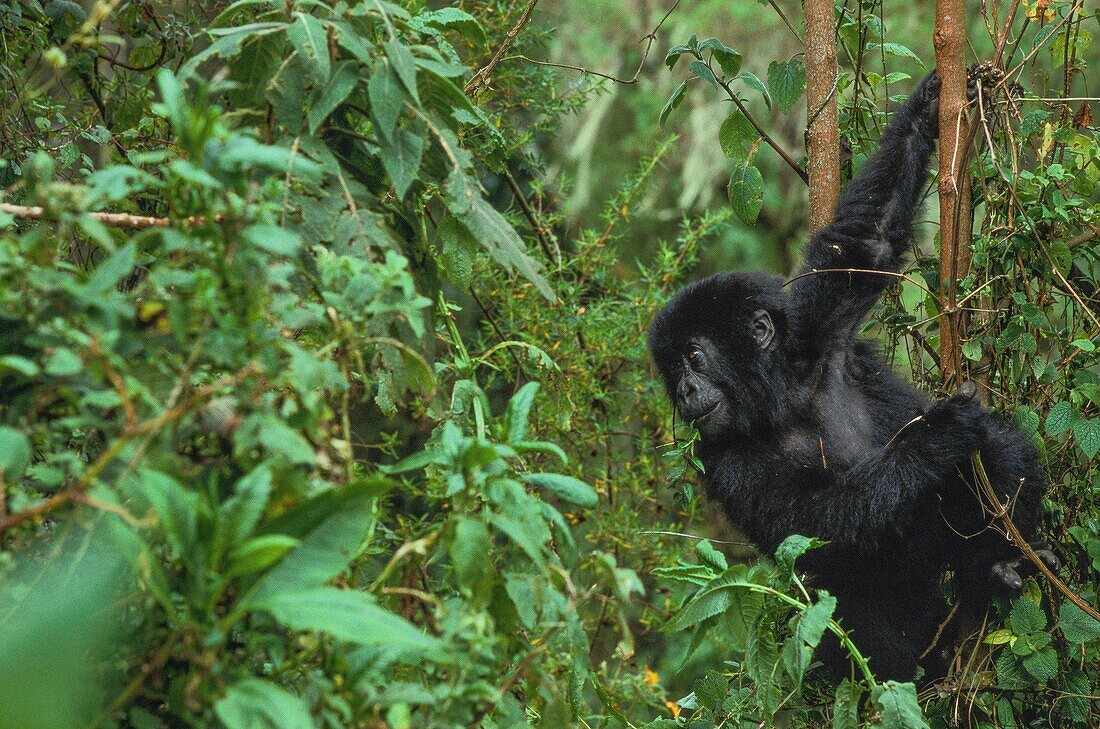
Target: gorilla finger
x,y
1004,573
1049,558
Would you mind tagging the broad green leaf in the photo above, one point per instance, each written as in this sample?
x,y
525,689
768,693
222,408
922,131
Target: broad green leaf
x,y
674,54
470,550
528,531
346,615
256,704
1086,433
1042,664
242,511
112,270
1077,626
898,707
176,508
1027,617
519,409
896,49
404,65
1060,418
340,85
815,620
256,555
846,705
737,136
728,59
787,81
273,239
307,35
753,81
564,487
497,235
711,556
673,102
746,192
401,158
327,542
460,20
703,605
15,454
703,71
1085,345
711,689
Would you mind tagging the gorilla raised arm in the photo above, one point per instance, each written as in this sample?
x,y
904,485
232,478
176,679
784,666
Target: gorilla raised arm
x,y
804,429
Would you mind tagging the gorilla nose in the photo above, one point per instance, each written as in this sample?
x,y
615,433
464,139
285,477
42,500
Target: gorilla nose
x,y
687,392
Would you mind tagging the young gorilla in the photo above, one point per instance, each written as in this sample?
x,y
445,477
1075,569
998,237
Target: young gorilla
x,y
805,430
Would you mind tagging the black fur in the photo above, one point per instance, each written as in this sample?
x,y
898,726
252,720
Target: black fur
x,y
810,433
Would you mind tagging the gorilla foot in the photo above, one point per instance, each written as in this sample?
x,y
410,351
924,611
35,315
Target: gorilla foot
x,y
1007,572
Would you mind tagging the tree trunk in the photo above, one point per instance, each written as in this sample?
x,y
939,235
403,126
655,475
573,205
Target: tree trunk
x,y
954,183
822,129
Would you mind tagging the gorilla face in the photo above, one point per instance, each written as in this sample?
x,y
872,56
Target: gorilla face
x,y
718,365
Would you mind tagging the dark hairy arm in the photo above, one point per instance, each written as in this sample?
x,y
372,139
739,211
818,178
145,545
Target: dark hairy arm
x,y
873,222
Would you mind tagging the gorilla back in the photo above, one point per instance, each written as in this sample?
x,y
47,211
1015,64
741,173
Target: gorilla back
x,y
805,430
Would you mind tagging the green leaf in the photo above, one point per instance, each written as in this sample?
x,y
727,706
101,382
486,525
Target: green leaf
x,y
470,550
1077,625
1085,345
1042,664
258,554
753,81
703,71
564,487
405,66
519,409
1060,418
15,454
673,102
1086,433
746,193
273,239
896,49
460,20
401,158
846,705
792,548
329,540
242,511
340,85
386,98
113,269
346,615
1010,674
705,604
815,619
737,136
530,535
674,54
176,508
496,234
1027,617
898,707
307,35
256,704
728,59
972,350
787,82
711,556
711,689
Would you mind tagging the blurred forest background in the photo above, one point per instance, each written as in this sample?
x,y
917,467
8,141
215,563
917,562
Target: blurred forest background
x,y
324,399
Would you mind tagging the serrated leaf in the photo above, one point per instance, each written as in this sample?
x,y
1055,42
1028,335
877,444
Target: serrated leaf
x,y
256,704
386,98
342,82
898,707
1042,664
728,59
702,606
1010,675
401,157
703,71
711,689
846,705
1076,625
307,35
737,136
1059,419
710,555
673,102
792,548
1026,617
787,82
753,81
746,193
564,487
1086,433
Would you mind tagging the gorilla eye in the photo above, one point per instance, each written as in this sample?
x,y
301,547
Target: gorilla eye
x,y
696,356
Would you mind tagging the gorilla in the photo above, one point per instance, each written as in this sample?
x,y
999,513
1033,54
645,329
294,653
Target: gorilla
x,y
804,430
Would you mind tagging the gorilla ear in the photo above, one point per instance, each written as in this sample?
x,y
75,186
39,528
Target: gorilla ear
x,y
763,330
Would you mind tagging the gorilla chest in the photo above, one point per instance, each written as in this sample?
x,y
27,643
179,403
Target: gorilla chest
x,y
834,435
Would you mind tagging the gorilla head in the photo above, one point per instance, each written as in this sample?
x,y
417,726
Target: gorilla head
x,y
723,345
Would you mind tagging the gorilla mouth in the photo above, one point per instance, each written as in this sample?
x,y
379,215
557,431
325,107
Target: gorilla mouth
x,y
704,414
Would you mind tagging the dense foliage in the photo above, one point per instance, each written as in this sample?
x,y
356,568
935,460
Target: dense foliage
x,y
323,391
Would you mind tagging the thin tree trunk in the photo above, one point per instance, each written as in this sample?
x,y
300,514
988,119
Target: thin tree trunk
x,y
956,218
822,129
